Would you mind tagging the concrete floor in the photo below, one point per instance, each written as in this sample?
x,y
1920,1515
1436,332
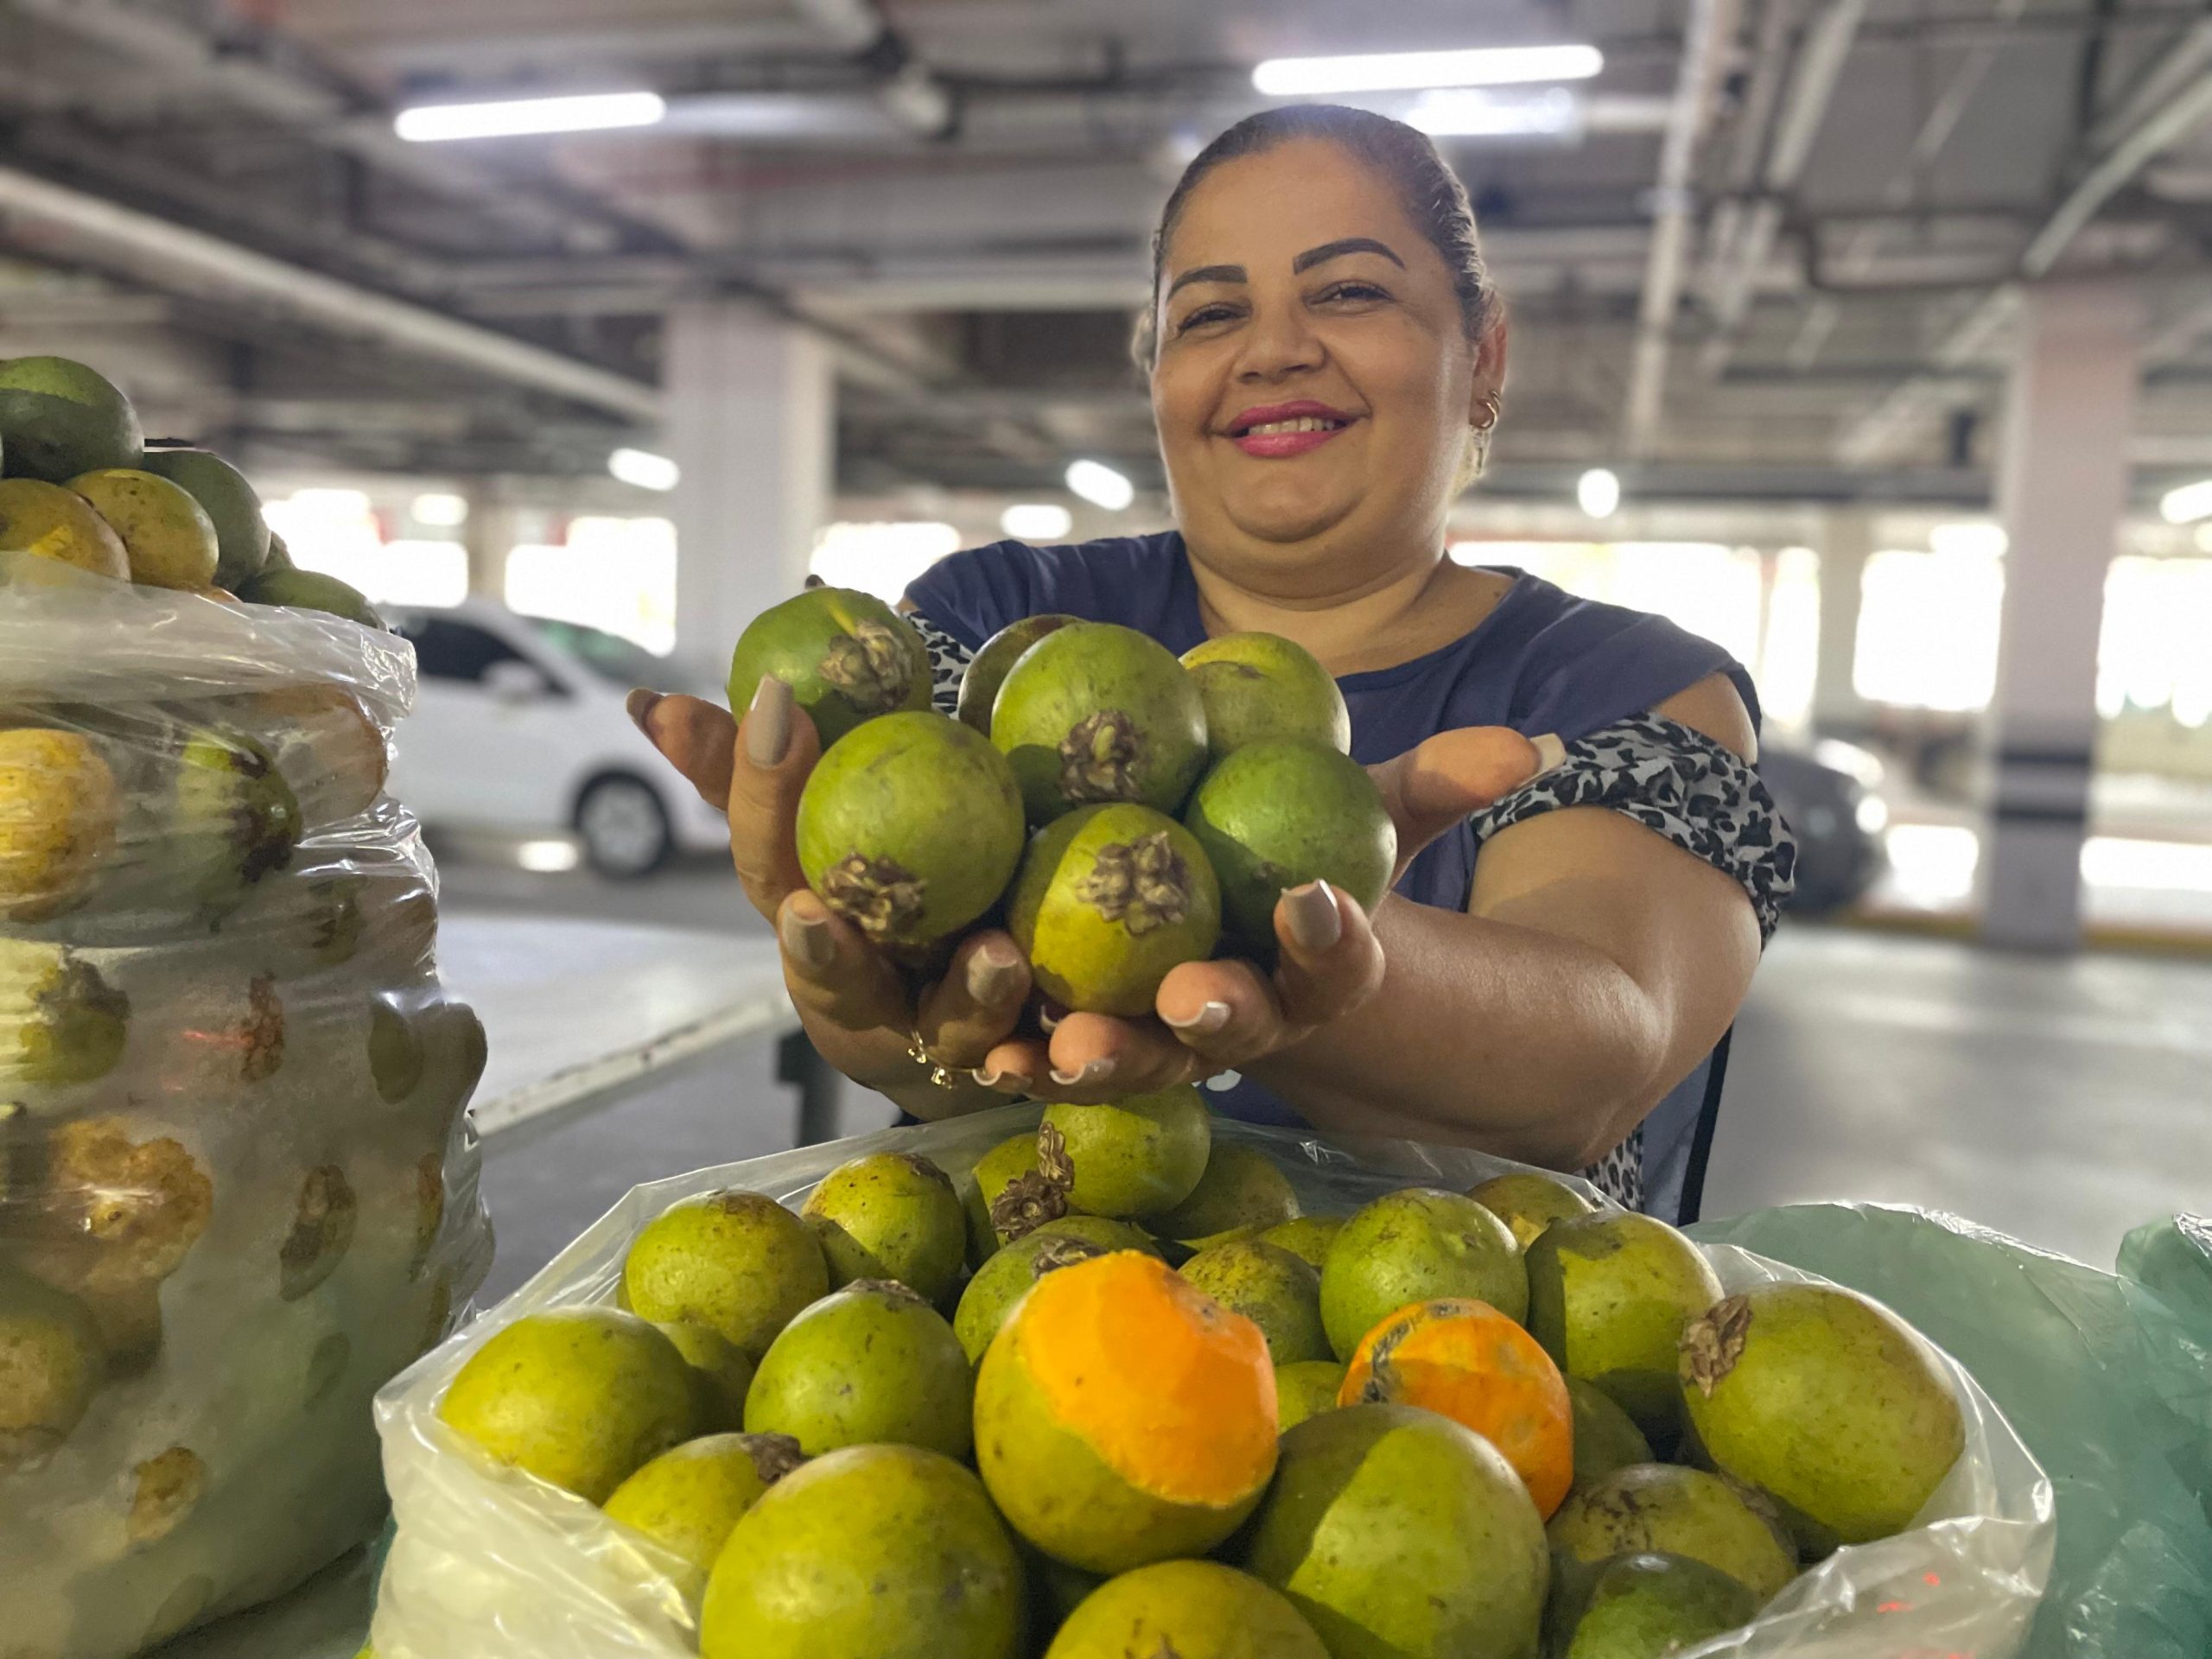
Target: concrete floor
x,y
2061,1100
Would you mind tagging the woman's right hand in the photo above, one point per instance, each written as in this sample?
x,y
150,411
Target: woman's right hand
x,y
857,1006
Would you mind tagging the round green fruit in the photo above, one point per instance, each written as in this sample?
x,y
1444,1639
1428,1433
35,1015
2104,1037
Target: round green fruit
x,y
1306,1388
1418,1245
871,1363
890,1215
1096,712
1277,1291
49,522
1109,901
50,1365
738,1263
58,811
996,1171
311,590
1528,1201
1241,1194
1647,1606
718,1365
1677,1511
875,1552
910,828
234,820
988,668
1186,1609
231,504
1262,688
1006,1278
846,656
687,1500
1278,815
169,539
1306,1237
59,418
1137,1156
1825,1402
60,1022
1605,1437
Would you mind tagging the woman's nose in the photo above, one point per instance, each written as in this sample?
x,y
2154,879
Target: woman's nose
x,y
1277,343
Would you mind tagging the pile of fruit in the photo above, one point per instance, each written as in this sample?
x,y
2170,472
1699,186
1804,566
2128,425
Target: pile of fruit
x,y
1108,1394
1174,801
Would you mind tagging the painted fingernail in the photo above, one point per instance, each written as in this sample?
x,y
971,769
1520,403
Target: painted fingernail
x,y
1049,1018
1211,1017
993,974
1311,915
807,941
992,1077
639,706
1094,1073
768,723
1551,753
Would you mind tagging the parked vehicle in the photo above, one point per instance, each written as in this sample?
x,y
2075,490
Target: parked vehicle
x,y
1828,795
518,727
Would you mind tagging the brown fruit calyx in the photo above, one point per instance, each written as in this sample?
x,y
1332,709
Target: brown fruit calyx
x,y
889,1288
925,1168
1142,884
773,1456
1712,1344
1030,1201
1098,757
876,895
263,1034
871,666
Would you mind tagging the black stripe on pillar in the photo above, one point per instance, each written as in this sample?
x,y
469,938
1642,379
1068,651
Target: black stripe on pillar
x,y
2075,813
2082,759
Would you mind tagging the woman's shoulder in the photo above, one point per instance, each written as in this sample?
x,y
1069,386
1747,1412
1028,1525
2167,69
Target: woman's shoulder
x,y
1125,579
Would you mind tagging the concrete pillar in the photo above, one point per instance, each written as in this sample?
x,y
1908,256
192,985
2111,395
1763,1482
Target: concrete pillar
x,y
494,527
1846,542
2062,488
751,422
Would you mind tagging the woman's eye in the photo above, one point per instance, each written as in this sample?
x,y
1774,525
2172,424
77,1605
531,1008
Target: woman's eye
x,y
1203,315
1355,291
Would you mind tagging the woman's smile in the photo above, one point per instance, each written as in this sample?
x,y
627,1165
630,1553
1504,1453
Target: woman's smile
x,y
1278,431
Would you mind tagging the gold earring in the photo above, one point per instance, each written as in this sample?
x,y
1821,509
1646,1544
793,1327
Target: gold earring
x,y
1492,409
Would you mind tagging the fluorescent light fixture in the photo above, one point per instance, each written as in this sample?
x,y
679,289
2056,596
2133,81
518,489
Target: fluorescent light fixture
x,y
1598,492
1466,113
1977,538
439,509
1406,71
512,118
1036,521
1100,485
2188,503
644,469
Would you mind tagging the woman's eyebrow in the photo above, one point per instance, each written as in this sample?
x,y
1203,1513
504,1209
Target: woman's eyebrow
x,y
1329,251
1207,274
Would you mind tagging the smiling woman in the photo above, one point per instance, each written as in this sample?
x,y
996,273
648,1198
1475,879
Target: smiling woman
x,y
1588,866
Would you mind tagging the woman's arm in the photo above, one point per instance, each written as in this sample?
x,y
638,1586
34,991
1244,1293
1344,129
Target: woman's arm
x,y
1597,964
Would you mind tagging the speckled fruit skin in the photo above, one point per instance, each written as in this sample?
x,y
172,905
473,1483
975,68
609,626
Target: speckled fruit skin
x,y
1609,1297
241,533
1636,1606
846,656
718,1366
166,534
1276,816
59,1021
1096,712
1241,1194
1308,1237
687,1500
1417,1245
997,1169
988,668
59,809
582,1397
1136,1156
910,828
1400,1534
1108,901
1190,1610
1605,1437
1305,1388
1277,1291
738,1263
52,1368
890,1215
1006,1278
1262,688
1825,1402
875,1552
1661,1506
1528,1201
872,1364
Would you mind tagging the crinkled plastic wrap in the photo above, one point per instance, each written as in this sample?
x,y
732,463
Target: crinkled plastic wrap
x,y
237,1188
493,1564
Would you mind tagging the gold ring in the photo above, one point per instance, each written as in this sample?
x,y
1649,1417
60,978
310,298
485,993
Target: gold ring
x,y
918,1051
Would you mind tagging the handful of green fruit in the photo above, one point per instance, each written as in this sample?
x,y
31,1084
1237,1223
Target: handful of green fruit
x,y
1120,811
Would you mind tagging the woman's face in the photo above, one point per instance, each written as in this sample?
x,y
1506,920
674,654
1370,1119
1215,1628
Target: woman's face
x,y
1314,384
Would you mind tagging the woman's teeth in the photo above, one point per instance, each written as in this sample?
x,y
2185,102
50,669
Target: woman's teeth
x,y
1303,424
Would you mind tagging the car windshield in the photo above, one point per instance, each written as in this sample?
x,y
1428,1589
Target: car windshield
x,y
614,659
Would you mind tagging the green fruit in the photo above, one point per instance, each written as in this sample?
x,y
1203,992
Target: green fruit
x,y
396,1055
49,522
1648,1606
323,1222
875,1552
1101,1230
1109,900
59,1021
687,1500
1186,1609
1829,1405
1308,1237
1277,1291
890,1215
241,534
848,657
1242,1192
582,1397
988,668
1609,1297
1400,1534
873,1362
59,810
910,830
719,1368
1277,816
280,555
169,541
738,1263
1605,1437
1096,712
1528,1201
995,1172
310,590
59,418
1260,687
50,1362
1306,1388
1006,1278
1418,1245
1676,1511
1133,1156
234,820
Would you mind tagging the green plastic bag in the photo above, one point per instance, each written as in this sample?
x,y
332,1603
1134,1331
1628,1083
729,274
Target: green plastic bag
x,y
2107,1377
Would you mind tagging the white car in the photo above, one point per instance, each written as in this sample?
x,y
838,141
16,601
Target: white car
x,y
518,727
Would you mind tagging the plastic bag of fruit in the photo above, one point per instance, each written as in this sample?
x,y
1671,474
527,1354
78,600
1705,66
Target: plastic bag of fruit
x,y
238,1191
502,1447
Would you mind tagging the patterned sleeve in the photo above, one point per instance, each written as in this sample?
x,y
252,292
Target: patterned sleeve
x,y
1680,783
948,661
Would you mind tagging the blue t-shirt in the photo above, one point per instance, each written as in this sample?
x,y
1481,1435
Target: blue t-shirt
x,y
1541,661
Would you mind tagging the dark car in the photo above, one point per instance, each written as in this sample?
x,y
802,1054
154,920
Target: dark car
x,y
1829,793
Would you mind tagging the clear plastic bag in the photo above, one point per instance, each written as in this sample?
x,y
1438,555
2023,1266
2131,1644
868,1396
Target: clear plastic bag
x,y
237,1188
493,1564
